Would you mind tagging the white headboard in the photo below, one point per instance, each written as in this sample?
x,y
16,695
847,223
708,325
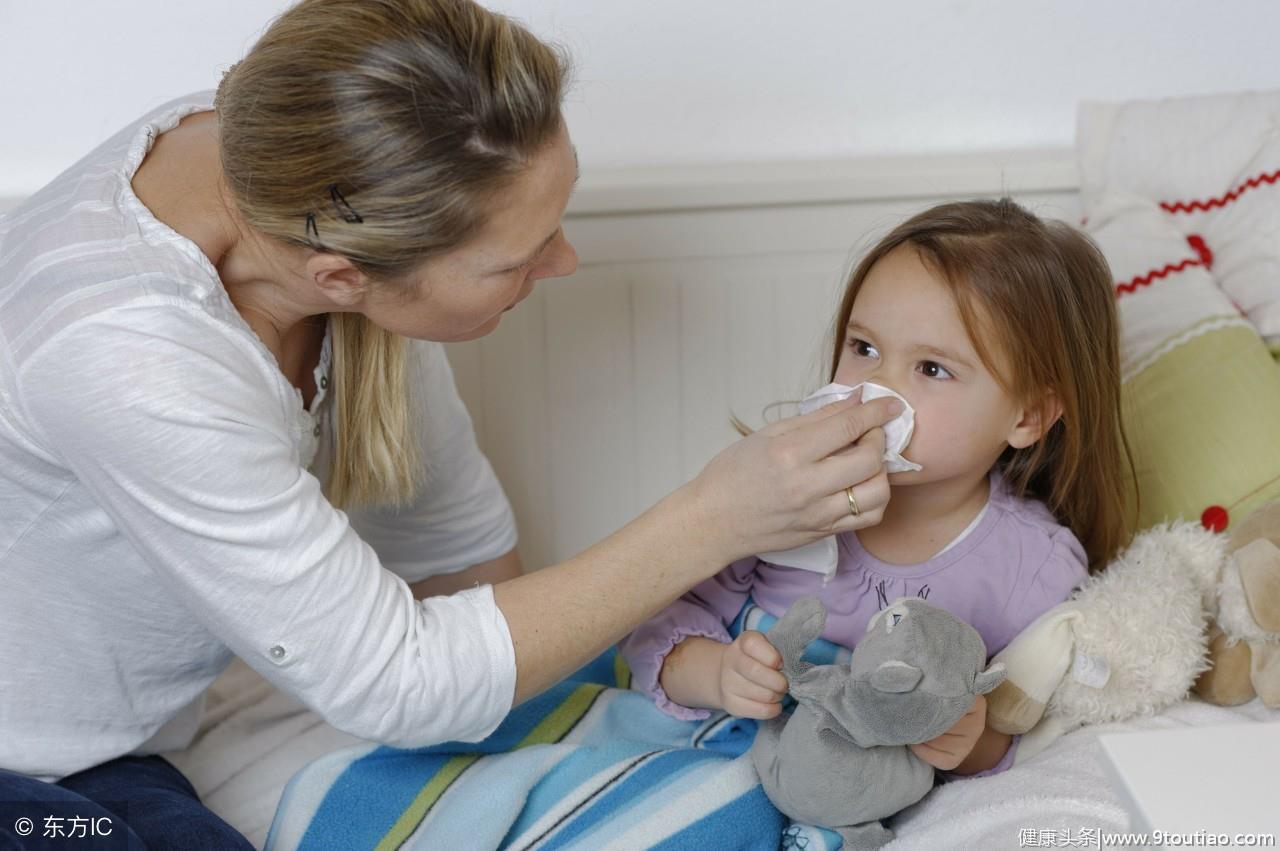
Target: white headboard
x,y
702,293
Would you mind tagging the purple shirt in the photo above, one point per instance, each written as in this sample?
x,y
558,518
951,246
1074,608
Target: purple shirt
x,y
1015,564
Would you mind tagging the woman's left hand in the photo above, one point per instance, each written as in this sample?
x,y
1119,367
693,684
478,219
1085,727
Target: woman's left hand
x,y
950,749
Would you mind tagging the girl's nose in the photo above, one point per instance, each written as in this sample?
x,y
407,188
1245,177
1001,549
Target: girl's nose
x,y
880,377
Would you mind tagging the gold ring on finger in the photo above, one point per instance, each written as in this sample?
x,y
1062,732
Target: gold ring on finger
x,y
853,502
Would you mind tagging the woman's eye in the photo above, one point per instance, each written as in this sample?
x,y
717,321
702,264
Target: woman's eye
x,y
932,369
863,349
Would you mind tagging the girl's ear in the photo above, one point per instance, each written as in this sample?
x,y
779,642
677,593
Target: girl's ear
x,y
1035,421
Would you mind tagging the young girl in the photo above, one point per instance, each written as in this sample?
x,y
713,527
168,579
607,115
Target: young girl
x,y
1000,330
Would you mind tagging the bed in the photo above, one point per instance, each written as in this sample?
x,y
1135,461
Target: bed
x,y
254,738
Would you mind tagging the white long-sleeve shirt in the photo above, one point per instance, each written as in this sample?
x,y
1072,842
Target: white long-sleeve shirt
x,y
161,505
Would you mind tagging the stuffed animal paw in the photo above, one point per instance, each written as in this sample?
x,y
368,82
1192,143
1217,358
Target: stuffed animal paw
x,y
1244,640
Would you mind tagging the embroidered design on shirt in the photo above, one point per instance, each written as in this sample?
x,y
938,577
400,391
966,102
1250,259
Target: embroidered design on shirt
x,y
882,594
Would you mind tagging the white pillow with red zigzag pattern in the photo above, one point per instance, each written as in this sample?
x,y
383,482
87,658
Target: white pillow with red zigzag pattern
x,y
1211,166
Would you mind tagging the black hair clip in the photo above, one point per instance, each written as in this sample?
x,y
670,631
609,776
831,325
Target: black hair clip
x,y
345,211
313,233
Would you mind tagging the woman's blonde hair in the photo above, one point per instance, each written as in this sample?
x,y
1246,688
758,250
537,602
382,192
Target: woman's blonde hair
x,y
381,130
1044,291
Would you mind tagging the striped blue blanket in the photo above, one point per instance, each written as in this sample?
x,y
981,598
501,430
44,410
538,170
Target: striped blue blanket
x,y
589,764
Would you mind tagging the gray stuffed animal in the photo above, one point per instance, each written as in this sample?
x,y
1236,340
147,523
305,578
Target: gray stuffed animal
x,y
840,760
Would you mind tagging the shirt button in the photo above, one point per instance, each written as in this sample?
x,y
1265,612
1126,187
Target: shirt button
x,y
316,430
324,382
277,652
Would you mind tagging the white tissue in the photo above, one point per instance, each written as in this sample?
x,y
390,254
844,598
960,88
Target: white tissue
x,y
897,432
821,556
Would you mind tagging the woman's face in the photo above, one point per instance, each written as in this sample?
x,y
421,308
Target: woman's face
x,y
905,333
462,295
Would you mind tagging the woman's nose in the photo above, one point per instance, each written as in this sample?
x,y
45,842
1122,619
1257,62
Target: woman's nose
x,y
561,260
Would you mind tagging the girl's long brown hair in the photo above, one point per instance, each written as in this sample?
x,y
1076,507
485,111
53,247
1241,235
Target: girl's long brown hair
x,y
1040,293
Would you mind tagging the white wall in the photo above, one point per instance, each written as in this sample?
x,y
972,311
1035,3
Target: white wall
x,y
688,81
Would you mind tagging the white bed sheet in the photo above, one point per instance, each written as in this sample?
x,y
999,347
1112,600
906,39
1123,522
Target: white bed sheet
x,y
253,739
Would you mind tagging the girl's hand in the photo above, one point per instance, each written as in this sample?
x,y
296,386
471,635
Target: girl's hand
x,y
950,749
784,486
750,684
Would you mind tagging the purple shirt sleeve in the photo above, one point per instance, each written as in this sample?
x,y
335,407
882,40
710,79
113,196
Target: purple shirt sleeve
x,y
1052,583
1064,569
705,611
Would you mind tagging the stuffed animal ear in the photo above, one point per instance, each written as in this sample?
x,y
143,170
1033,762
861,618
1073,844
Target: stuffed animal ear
x,y
1259,564
896,677
987,680
1035,661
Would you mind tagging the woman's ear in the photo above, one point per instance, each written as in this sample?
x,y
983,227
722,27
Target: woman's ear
x,y
1035,421
337,278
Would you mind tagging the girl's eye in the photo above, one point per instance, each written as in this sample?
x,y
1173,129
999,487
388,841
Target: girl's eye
x,y
863,349
932,369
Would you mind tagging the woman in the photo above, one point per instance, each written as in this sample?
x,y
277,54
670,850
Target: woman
x,y
239,298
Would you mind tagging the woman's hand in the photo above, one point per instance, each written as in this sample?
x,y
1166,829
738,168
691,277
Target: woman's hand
x,y
778,488
950,749
784,486
751,685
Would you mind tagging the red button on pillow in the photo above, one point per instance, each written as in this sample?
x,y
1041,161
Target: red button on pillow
x,y
1215,518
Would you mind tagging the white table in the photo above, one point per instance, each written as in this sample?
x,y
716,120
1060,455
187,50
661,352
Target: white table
x,y
1200,780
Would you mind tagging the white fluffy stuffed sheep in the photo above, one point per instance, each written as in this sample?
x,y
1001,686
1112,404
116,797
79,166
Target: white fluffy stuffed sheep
x,y
1129,642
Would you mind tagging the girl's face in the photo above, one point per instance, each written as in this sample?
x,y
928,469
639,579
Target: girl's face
x,y
905,333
